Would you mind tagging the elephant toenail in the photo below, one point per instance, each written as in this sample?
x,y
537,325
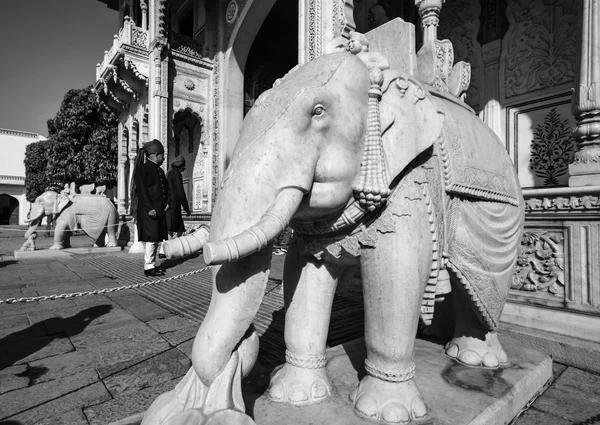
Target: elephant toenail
x,y
319,390
367,406
502,357
469,357
452,350
395,413
298,395
418,409
276,392
490,360
353,394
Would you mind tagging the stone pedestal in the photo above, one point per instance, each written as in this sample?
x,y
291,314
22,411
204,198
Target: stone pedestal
x,y
454,394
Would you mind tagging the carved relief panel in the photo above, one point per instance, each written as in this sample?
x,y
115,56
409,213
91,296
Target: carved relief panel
x,y
539,47
557,264
541,263
540,142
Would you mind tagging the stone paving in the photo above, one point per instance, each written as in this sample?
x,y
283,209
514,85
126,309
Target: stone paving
x,y
99,359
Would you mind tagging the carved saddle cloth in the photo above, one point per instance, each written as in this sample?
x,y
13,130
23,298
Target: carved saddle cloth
x,y
474,164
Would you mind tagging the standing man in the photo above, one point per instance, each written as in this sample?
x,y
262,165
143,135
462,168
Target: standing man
x,y
178,198
152,192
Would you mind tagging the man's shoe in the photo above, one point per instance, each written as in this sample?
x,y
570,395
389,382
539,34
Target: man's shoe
x,y
153,272
160,270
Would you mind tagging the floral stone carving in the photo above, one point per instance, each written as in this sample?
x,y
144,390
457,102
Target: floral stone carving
x,y
540,264
540,45
552,148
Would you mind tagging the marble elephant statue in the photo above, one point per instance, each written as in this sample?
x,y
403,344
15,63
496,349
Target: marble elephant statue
x,y
93,214
372,169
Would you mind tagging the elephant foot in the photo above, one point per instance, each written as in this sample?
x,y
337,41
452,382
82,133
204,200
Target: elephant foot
x,y
388,402
471,351
56,246
299,386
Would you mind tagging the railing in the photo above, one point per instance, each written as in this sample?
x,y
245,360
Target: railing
x,y
129,34
186,46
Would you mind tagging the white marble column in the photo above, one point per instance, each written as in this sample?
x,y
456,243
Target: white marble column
x,y
121,177
144,7
492,110
585,169
429,11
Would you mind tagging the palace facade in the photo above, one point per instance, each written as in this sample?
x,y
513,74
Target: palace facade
x,y
186,72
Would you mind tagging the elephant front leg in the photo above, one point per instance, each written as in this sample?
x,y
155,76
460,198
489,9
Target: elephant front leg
x,y
309,287
394,273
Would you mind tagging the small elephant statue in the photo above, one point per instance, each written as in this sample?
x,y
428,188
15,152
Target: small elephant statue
x,y
373,169
95,215
86,189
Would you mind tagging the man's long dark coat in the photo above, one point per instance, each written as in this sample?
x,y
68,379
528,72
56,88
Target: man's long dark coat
x,y
178,200
152,194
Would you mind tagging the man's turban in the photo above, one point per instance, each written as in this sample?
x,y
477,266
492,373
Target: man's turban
x,y
153,147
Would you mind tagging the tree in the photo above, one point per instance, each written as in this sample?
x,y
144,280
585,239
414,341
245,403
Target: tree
x,y
81,146
37,179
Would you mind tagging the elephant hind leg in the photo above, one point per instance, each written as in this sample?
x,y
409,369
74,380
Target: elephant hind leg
x,y
472,344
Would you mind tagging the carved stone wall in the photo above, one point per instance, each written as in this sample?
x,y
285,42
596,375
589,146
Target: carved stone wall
x,y
539,47
558,259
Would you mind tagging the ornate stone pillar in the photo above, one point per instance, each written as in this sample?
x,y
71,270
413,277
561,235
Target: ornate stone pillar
x,y
158,74
144,7
585,169
492,110
429,11
122,155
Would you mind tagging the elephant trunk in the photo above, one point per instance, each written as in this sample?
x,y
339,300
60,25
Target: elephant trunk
x,y
258,236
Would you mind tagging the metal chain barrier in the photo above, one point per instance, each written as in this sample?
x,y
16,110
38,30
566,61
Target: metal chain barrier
x,y
99,291
79,229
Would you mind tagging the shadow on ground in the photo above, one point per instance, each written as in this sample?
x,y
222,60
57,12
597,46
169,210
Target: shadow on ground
x,y
23,343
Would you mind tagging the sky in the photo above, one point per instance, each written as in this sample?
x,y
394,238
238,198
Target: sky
x,y
48,47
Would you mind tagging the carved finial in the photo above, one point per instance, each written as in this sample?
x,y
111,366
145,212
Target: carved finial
x,y
429,11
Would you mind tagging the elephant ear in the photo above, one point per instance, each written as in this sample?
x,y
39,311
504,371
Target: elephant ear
x,y
410,122
62,201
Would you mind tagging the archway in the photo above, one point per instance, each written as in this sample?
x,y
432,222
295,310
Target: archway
x,y
279,33
243,36
187,142
9,210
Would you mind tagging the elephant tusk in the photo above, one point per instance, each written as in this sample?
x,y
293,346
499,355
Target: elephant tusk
x,y
186,245
257,237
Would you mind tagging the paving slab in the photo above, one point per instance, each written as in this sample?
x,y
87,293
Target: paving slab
x,y
53,411
182,335
127,404
140,307
100,356
574,396
12,324
536,417
162,368
26,398
186,348
13,378
130,330
23,351
170,324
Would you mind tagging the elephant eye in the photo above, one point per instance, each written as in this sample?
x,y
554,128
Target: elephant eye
x,y
318,110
